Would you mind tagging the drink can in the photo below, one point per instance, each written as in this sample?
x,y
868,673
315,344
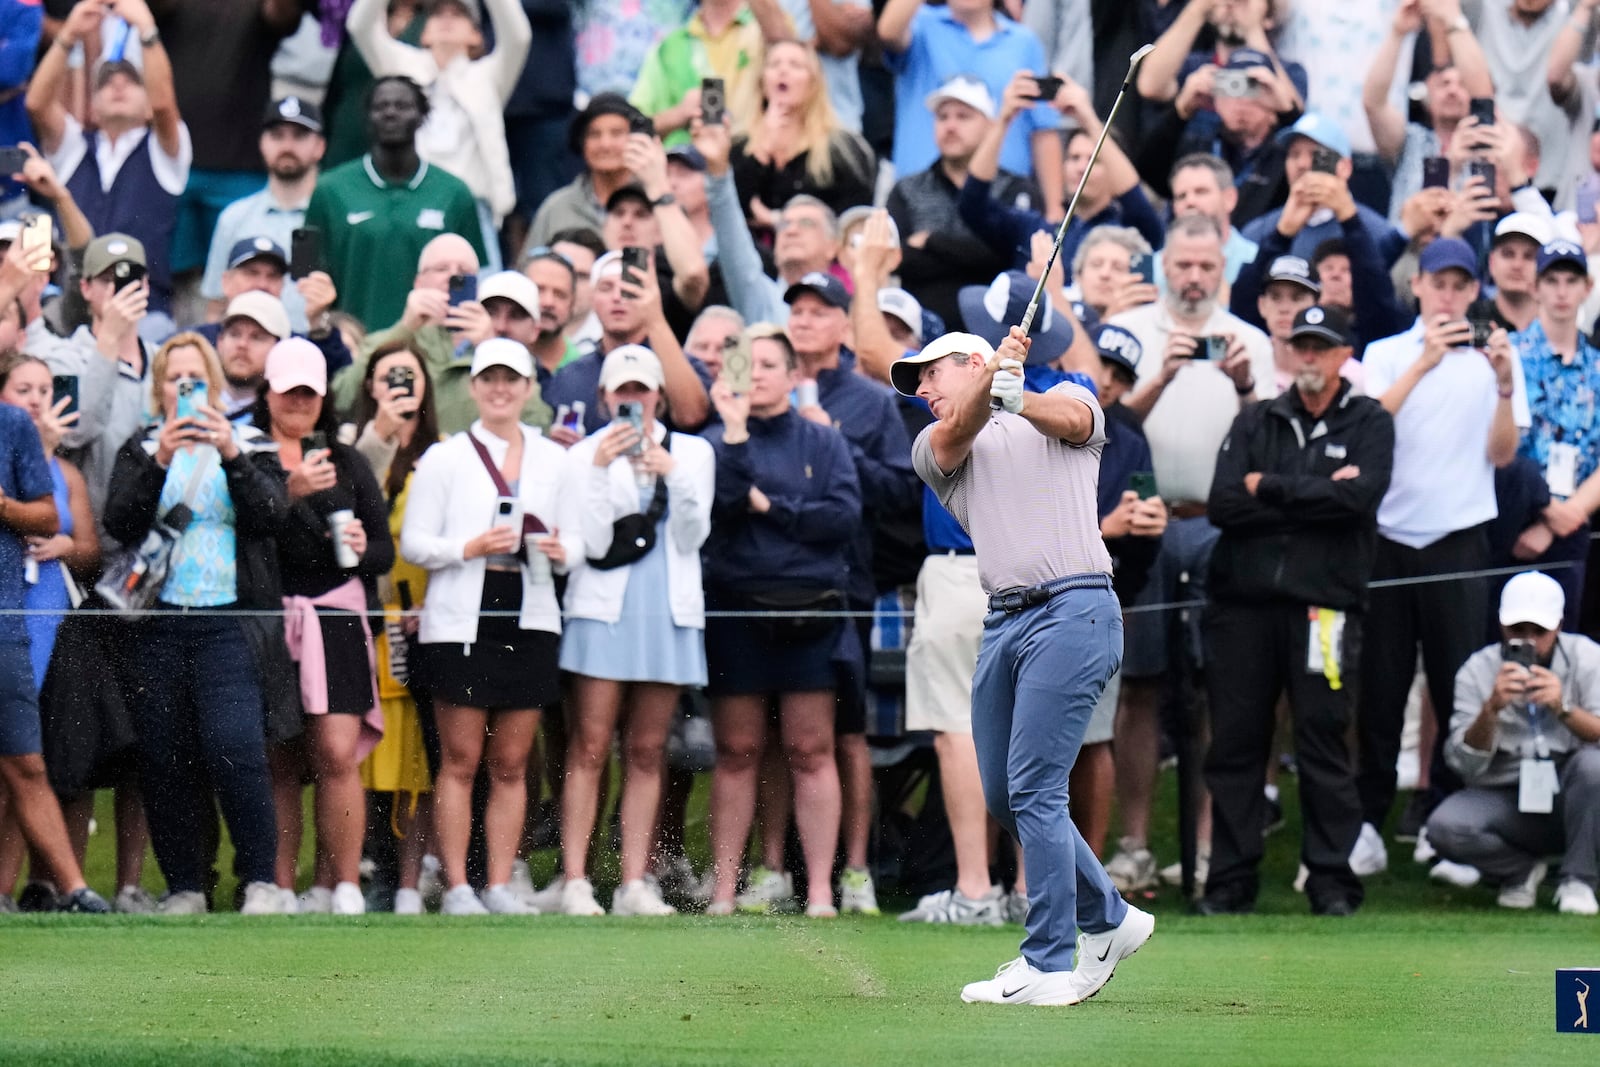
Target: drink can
x,y
538,563
805,393
338,521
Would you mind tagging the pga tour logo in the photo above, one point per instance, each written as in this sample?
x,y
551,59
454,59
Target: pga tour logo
x,y
1573,1014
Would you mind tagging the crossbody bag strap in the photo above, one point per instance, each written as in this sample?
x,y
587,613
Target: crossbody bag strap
x,y
658,502
191,489
488,461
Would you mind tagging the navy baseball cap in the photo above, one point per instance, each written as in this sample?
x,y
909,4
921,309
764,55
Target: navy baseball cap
x,y
1563,254
631,191
250,248
1293,269
1448,253
824,286
294,110
1119,347
991,310
1245,58
1329,325
688,155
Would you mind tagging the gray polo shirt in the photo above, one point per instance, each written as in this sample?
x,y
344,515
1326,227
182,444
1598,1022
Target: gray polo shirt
x,y
1027,501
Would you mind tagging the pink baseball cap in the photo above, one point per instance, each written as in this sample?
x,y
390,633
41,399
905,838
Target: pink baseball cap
x,y
295,362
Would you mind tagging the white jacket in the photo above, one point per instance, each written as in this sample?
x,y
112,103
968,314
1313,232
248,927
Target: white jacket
x,y
452,501
480,87
610,493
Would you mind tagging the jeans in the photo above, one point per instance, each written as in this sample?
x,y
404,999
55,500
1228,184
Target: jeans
x,y
197,703
1040,672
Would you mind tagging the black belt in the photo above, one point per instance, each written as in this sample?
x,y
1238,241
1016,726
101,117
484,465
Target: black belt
x,y
1014,600
952,552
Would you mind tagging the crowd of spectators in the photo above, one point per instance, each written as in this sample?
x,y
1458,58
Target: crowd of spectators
x,y
425,400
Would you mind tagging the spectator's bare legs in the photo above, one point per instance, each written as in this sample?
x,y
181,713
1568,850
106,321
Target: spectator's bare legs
x,y
511,736
11,847
414,845
34,807
773,793
965,811
740,727
855,784
596,704
133,832
340,802
1137,753
1091,785
460,748
806,722
1427,737
651,708
285,761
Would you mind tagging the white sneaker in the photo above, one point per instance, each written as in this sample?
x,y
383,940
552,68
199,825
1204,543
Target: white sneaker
x,y
719,908
766,890
640,898
429,884
956,908
1099,954
821,911
1369,856
1018,983
134,900
407,902
462,901
1133,867
1424,853
505,900
522,884
1523,894
857,893
548,899
1575,898
347,900
1301,876
1172,873
185,903
261,898
577,898
318,900
288,903
1457,874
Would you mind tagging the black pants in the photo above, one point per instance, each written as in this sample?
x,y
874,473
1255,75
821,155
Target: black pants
x,y
1447,618
1254,653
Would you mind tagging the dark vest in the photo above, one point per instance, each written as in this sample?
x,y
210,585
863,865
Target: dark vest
x,y
137,205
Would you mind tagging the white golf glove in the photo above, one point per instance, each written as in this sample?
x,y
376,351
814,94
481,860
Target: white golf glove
x,y
1007,387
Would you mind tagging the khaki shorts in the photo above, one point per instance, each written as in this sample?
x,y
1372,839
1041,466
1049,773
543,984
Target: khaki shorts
x,y
943,654
1105,713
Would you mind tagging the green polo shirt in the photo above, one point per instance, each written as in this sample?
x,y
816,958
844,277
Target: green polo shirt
x,y
373,231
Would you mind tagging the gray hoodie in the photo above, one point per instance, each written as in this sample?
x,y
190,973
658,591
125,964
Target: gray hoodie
x,y
1576,662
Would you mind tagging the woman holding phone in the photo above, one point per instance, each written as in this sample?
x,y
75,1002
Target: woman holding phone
x,y
495,512
635,638
395,424
201,673
787,504
332,546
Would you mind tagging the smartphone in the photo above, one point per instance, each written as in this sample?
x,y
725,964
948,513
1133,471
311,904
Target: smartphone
x,y
65,385
1143,483
507,512
713,101
1436,173
1482,109
1144,266
632,412
401,380
125,274
305,251
463,287
641,123
1049,86
1481,329
635,261
1213,349
191,397
1324,160
1519,651
1482,168
736,364
37,234
316,441
12,160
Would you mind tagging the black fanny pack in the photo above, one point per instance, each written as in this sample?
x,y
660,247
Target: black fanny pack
x,y
633,536
793,616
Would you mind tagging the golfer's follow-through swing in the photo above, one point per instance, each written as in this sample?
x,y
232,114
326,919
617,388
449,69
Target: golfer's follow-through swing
x,y
1021,478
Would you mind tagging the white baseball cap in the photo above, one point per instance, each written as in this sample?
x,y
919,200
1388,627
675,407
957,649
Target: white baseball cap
x,y
906,372
502,352
1525,224
296,363
605,266
630,363
1535,597
964,89
903,306
263,309
512,286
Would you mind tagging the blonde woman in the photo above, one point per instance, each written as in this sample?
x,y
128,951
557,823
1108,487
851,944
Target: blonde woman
x,y
795,143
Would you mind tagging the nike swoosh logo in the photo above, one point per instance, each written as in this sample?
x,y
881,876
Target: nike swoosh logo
x,y
1007,994
355,218
1104,954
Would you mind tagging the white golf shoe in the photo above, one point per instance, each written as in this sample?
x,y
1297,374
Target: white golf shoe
x,y
1018,982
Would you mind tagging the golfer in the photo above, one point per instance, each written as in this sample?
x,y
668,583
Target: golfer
x,y
1021,480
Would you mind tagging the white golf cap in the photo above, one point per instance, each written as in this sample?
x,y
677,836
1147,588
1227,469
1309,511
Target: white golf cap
x,y
1533,597
903,306
512,286
630,363
964,89
906,372
605,266
1525,224
502,352
263,309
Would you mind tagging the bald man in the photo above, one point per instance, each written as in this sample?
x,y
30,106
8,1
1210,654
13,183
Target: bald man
x,y
444,334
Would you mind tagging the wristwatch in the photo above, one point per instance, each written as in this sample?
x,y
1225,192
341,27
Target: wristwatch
x,y
1460,25
150,38
664,200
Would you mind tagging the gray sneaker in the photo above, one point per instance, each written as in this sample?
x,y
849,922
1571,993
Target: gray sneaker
x,y
1015,908
956,908
1133,867
186,903
134,900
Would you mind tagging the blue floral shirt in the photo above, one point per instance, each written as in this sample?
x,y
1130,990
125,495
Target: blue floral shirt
x,y
1561,399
